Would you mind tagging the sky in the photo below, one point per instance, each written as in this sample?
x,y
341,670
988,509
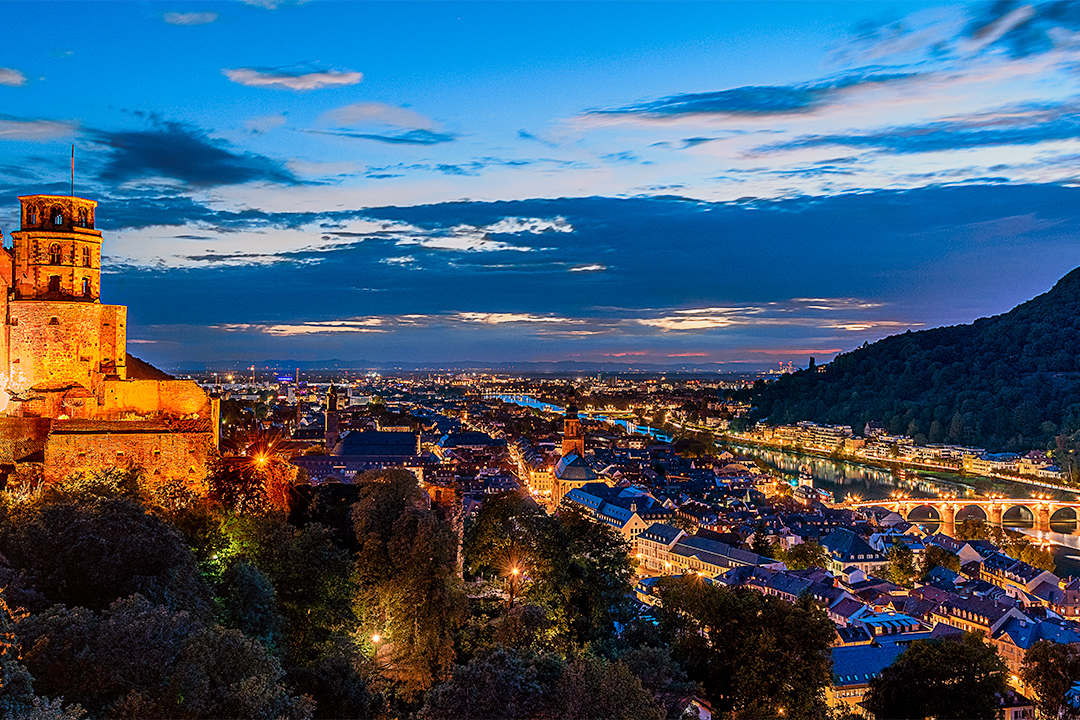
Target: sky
x,y
730,185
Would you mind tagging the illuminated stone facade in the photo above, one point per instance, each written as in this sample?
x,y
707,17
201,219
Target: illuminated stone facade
x,y
68,402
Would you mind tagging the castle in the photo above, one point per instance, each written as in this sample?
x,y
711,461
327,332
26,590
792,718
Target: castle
x,y
71,398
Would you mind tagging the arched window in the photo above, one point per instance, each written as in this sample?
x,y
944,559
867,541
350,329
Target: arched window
x,y
57,215
86,257
82,219
31,215
86,287
54,254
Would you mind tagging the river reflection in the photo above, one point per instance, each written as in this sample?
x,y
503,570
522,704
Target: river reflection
x,y
845,479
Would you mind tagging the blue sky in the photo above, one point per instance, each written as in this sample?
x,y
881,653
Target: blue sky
x,y
727,184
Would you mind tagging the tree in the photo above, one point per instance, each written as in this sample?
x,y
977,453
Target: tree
x,y
662,677
754,655
806,554
940,679
314,580
901,569
246,600
936,556
498,684
136,659
1050,669
409,589
504,683
95,550
760,544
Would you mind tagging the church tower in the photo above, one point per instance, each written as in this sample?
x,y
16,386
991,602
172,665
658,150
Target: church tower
x,y
57,252
332,432
573,441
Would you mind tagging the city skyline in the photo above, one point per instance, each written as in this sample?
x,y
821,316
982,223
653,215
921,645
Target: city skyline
x,y
732,184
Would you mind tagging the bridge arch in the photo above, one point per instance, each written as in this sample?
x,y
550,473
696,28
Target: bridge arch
x,y
924,513
1018,515
971,512
1065,515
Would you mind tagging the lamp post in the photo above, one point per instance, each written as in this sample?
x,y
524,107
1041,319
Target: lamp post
x,y
515,572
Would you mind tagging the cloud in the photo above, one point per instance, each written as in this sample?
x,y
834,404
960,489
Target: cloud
x,y
997,28
500,318
799,312
377,113
185,153
299,80
412,137
191,18
265,123
757,101
1019,125
589,268
21,129
11,77
535,226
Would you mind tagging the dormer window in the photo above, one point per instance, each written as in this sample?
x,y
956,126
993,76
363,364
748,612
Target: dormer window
x,y
54,254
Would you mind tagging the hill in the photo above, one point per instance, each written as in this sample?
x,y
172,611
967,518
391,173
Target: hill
x,y
1007,383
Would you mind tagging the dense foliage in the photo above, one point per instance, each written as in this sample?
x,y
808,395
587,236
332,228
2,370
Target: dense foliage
x,y
940,679
755,655
1050,670
366,601
1009,382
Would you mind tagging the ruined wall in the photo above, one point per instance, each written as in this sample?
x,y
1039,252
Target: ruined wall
x,y
164,457
22,438
58,343
143,398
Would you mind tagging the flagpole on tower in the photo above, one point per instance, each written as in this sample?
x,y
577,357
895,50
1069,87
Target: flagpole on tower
x,y
72,169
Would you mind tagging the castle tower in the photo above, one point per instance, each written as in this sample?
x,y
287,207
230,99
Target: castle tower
x,y
57,253
332,433
58,333
573,441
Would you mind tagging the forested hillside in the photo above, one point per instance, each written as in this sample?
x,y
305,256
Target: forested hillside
x,y
1009,382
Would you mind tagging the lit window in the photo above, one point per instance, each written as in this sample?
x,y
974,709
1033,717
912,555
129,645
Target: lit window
x,y
31,215
57,215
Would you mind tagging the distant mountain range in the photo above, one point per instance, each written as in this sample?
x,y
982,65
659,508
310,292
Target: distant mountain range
x,y
1008,382
563,366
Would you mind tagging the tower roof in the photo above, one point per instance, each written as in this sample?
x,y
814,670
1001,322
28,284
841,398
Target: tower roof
x,y
571,412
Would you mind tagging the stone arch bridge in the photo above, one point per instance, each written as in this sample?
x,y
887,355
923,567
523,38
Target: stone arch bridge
x,y
1041,511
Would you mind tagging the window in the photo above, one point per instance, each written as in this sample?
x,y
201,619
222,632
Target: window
x,y
82,219
86,257
54,321
86,287
57,215
54,286
54,254
31,215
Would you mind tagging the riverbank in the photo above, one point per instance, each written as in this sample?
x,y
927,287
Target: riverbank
x,y
980,483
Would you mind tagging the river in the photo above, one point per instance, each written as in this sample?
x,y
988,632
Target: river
x,y
846,479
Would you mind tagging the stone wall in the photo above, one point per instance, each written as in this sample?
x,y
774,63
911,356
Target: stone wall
x,y
142,398
56,343
164,456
